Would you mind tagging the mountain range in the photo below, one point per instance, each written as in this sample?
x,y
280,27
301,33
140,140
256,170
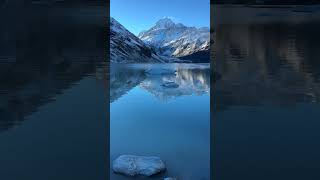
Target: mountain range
x,y
125,47
175,39
166,41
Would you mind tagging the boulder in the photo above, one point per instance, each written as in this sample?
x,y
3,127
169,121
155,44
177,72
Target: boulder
x,y
131,165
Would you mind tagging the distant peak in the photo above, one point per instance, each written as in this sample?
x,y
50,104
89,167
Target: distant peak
x,y
166,22
165,19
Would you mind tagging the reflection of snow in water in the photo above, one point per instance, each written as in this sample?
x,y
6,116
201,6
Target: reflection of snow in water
x,y
164,81
186,80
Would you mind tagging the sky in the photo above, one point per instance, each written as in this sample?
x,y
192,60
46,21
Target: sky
x,y
139,15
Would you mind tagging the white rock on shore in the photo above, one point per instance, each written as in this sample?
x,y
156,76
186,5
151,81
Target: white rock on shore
x,y
131,165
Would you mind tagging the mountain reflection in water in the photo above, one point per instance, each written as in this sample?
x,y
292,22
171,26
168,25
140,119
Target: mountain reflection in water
x,y
267,101
52,93
268,62
189,79
159,110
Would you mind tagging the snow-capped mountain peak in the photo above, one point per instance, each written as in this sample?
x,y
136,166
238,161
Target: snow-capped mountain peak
x,y
175,39
164,23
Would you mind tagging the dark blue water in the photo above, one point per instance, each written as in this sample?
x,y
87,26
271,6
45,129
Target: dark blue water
x,y
53,100
267,102
172,122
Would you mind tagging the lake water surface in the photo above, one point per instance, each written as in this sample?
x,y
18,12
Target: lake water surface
x,y
162,110
266,122
53,95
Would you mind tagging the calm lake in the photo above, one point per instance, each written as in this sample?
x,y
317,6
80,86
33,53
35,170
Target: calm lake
x,y
267,103
162,110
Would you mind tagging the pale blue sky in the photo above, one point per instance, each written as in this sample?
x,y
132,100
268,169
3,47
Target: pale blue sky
x,y
138,15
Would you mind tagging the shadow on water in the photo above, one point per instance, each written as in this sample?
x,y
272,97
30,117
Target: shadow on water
x,y
51,62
